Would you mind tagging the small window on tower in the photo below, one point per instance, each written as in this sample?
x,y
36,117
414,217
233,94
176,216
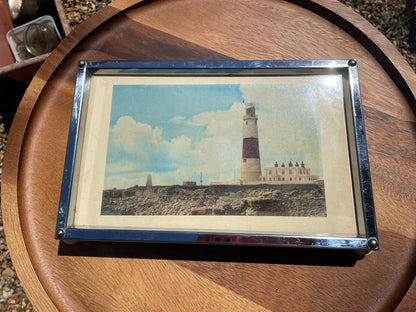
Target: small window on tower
x,y
244,159
246,122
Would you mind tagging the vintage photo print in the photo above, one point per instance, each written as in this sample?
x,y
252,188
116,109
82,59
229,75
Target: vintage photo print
x,y
239,149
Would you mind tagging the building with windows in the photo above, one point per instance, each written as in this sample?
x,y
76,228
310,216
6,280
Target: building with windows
x,y
290,174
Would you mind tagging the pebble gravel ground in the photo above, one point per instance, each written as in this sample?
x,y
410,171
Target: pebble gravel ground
x,y
12,295
79,10
387,15
392,19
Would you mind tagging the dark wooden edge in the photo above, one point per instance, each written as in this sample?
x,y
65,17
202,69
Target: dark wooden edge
x,y
9,70
385,53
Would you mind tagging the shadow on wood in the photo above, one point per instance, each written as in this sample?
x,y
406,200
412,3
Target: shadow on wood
x,y
216,253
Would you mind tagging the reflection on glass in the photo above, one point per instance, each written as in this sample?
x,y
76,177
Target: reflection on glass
x,y
40,39
22,52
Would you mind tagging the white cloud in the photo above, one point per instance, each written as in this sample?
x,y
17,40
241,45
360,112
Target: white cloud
x,y
222,123
178,119
138,149
133,147
134,138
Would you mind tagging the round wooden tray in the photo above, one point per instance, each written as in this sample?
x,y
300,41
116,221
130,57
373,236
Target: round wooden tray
x,y
150,277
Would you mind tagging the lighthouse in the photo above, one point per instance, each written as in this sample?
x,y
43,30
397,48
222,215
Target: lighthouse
x,y
250,165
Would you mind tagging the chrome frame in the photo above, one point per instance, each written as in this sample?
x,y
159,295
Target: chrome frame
x,y
365,241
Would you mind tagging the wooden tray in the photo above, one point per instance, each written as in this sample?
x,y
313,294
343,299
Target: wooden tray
x,y
149,277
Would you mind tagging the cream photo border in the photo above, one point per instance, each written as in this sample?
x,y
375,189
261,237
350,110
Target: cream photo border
x,y
339,196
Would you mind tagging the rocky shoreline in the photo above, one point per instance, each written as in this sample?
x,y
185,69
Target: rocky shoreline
x,y
258,200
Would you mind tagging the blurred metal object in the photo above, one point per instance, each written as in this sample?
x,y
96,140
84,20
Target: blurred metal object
x,y
40,38
25,9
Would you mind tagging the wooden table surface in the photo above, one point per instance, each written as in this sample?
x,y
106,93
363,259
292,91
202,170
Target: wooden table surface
x,y
151,277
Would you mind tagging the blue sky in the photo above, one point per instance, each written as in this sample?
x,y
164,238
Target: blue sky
x,y
157,105
175,132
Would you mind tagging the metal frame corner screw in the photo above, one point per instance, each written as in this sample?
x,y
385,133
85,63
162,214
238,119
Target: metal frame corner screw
x,y
372,243
60,233
352,63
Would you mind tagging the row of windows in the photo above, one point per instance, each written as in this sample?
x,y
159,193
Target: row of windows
x,y
283,179
301,171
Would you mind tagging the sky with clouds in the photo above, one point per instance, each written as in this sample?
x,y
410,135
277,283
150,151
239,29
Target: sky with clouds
x,y
177,132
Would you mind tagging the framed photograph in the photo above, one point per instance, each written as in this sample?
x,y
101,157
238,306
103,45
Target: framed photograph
x,y
225,152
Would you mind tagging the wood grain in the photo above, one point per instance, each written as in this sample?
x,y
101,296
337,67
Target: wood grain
x,y
145,277
408,302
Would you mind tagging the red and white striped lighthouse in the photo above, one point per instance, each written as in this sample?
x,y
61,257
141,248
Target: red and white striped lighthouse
x,y
250,166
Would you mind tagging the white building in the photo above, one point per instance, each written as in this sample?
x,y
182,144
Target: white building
x,y
290,174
